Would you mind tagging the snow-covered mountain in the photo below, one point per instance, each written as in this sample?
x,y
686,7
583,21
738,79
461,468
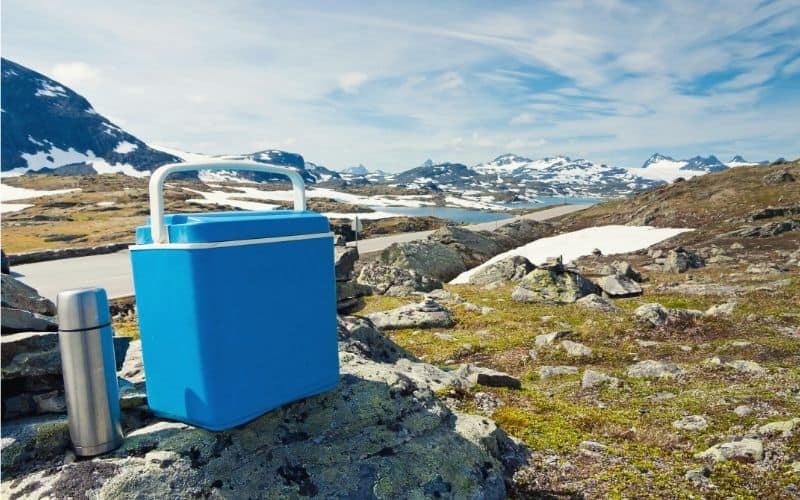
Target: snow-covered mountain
x,y
47,126
359,170
521,178
666,168
738,161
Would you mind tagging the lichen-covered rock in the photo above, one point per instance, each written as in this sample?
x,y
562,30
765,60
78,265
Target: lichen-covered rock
x,y
784,428
35,442
428,258
396,281
743,450
738,365
593,379
425,314
655,369
519,233
508,270
475,248
344,259
718,310
691,423
20,320
575,349
380,434
552,285
556,371
471,375
657,315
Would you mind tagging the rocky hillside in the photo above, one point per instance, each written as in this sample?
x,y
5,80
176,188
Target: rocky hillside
x,y
48,127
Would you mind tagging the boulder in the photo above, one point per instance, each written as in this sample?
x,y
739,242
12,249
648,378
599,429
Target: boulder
x,y
5,265
784,428
349,296
743,450
344,259
518,233
475,248
575,349
623,268
552,285
18,295
360,336
428,258
396,281
725,309
509,269
425,314
617,286
681,260
657,315
738,365
655,369
470,375
594,301
768,230
593,379
550,338
382,433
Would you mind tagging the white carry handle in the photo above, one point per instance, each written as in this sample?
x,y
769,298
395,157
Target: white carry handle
x,y
159,229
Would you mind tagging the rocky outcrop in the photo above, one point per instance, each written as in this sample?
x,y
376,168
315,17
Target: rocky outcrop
x,y
594,301
657,315
655,369
396,281
778,177
65,253
425,314
31,371
23,309
382,433
518,233
553,284
427,258
742,450
508,270
475,248
768,230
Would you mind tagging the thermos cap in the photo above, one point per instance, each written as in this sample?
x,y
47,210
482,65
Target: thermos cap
x,y
82,309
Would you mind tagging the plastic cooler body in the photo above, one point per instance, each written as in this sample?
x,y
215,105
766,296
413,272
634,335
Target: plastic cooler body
x,y
232,328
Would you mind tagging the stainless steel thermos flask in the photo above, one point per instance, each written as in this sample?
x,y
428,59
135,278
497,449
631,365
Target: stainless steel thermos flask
x,y
90,378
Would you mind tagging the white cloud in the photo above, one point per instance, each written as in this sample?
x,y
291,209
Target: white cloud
x,y
522,119
449,81
792,68
74,74
352,81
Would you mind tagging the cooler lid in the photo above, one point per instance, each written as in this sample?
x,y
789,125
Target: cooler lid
x,y
236,226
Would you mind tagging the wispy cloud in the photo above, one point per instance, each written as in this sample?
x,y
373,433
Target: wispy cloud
x,y
392,84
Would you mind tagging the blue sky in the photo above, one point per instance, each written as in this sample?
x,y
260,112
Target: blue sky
x,y
392,84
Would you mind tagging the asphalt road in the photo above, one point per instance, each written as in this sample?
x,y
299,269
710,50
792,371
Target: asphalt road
x,y
113,271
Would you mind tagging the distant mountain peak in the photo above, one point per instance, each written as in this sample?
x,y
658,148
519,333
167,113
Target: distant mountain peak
x,y
738,159
709,163
357,170
656,157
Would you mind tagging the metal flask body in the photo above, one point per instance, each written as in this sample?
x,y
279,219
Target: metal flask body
x,y
86,343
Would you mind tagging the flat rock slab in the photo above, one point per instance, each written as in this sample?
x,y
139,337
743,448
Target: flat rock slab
x,y
655,369
743,450
425,314
619,287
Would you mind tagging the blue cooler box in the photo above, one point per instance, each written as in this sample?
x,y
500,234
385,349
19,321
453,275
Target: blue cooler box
x,y
237,310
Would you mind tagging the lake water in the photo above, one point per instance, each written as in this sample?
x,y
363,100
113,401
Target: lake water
x,y
470,216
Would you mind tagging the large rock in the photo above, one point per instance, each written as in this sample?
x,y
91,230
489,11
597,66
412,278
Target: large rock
x,y
553,285
428,258
382,433
743,450
509,269
617,286
657,315
18,295
425,314
519,233
681,260
396,281
475,248
655,369
594,301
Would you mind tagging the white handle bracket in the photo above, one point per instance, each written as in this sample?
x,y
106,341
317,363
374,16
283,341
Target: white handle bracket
x,y
159,229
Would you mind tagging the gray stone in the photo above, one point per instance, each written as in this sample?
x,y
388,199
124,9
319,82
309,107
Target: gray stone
x,y
475,248
699,477
619,286
594,301
18,295
778,177
785,428
576,349
592,446
396,281
553,285
743,450
556,371
593,379
50,402
20,320
657,315
743,410
442,295
425,314
691,423
344,259
681,260
428,258
508,270
739,365
351,289
655,369
471,375
41,439
550,338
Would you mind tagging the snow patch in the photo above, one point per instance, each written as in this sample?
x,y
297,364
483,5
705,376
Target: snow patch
x,y
570,246
51,90
9,193
125,147
57,157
